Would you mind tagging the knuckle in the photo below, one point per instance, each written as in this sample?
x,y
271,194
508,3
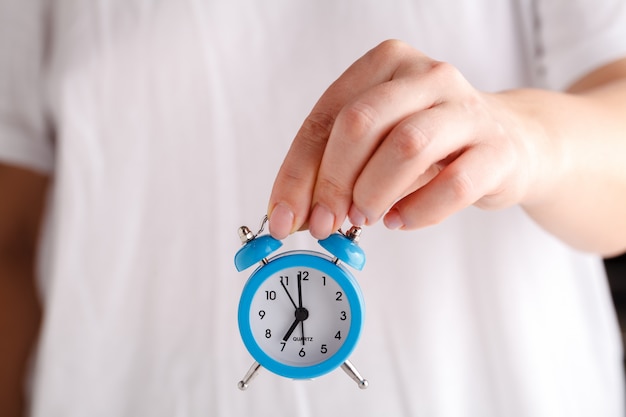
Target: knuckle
x,y
391,47
444,70
447,74
358,119
462,187
290,174
316,128
330,190
409,140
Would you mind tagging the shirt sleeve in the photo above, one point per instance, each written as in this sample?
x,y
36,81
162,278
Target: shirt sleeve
x,y
25,138
577,36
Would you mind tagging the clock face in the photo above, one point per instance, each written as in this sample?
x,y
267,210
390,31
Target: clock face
x,y
301,315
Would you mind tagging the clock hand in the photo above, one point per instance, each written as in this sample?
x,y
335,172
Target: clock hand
x,y
300,305
299,290
289,295
301,315
291,329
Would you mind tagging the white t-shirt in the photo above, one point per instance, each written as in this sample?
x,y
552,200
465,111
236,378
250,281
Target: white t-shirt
x,y
163,124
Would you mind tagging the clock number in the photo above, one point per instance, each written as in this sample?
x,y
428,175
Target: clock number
x,y
270,295
339,294
342,315
302,353
304,275
324,280
324,349
261,314
284,344
284,279
268,333
338,335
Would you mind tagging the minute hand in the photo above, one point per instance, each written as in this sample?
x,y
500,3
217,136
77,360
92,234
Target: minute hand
x,y
299,290
300,309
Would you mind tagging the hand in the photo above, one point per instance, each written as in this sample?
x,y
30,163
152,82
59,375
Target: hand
x,y
403,136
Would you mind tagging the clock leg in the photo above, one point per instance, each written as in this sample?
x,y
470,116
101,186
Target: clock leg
x,y
252,372
354,374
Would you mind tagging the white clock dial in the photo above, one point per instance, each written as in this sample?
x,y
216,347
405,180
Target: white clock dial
x,y
300,316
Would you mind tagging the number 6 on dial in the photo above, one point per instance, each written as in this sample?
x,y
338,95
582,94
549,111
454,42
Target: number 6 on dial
x,y
301,312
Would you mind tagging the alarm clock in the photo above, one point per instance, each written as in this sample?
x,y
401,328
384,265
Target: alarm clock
x,y
301,312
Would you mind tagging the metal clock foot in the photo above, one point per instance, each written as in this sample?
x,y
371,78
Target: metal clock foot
x,y
252,372
354,374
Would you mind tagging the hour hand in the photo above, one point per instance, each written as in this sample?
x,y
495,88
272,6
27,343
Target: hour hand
x,y
301,315
291,329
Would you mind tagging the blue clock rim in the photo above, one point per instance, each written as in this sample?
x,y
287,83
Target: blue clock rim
x,y
308,259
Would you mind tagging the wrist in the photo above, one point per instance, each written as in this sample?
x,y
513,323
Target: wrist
x,y
535,119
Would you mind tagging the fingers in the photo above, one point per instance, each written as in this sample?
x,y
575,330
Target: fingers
x,y
295,185
360,128
399,166
466,180
291,195
384,129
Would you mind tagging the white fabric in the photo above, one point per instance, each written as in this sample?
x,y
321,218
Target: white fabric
x,y
163,124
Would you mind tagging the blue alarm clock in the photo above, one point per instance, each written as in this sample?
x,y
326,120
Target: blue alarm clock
x,y
301,312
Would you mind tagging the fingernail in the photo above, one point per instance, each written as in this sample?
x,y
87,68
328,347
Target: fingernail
x,y
321,222
281,221
356,217
393,220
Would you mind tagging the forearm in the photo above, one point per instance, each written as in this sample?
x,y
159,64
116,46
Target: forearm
x,y
19,324
23,195
581,197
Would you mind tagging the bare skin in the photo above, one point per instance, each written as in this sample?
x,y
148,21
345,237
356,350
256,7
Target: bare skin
x,y
406,139
21,205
